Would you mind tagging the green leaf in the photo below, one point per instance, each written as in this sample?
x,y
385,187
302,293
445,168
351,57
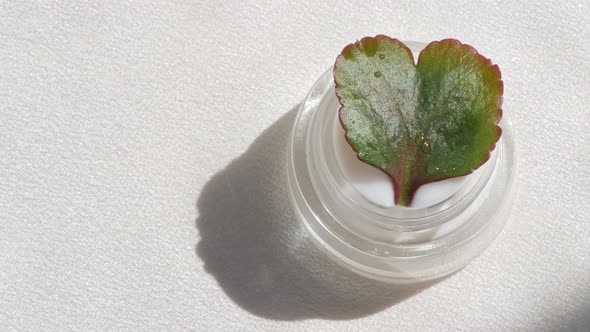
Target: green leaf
x,y
418,123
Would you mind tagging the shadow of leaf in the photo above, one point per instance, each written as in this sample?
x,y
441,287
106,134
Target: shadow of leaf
x,y
263,257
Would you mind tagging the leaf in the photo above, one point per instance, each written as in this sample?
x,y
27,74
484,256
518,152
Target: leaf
x,y
418,123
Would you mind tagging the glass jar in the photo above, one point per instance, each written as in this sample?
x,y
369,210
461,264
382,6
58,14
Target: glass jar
x,y
390,243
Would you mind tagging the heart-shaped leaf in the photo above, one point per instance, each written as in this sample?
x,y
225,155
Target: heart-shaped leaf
x,y
419,123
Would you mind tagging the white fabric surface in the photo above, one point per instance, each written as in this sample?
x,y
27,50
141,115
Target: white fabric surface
x,y
142,182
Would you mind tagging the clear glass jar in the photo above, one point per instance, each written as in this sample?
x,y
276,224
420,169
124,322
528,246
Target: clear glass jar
x,y
395,244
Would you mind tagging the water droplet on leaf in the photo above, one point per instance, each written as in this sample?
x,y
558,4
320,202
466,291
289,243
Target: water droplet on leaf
x,y
430,169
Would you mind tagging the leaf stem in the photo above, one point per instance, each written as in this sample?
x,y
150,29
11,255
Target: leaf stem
x,y
405,198
406,188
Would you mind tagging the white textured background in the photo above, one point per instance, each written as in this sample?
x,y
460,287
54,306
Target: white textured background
x,y
141,167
